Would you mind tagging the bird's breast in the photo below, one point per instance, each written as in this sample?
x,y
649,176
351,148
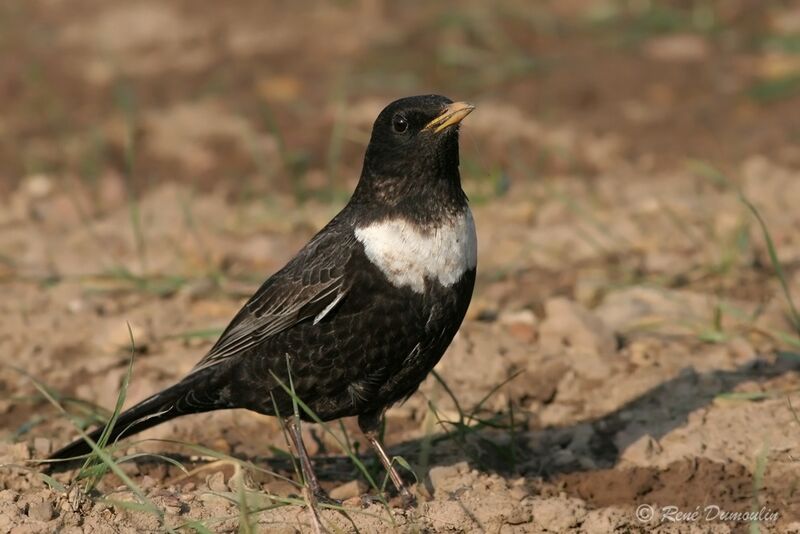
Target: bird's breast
x,y
408,254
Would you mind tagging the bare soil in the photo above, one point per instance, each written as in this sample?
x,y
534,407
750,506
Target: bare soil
x,y
629,347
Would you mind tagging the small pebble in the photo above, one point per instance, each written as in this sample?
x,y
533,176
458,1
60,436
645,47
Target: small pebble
x,y
354,488
445,477
42,511
281,488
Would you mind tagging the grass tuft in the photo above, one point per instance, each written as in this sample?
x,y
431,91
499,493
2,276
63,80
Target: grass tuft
x,y
469,423
94,467
100,461
721,181
794,316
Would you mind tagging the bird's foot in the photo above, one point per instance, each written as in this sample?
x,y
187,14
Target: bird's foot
x,y
322,497
407,500
313,511
368,500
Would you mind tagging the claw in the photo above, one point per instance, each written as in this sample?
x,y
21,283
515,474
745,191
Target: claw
x,y
323,498
407,500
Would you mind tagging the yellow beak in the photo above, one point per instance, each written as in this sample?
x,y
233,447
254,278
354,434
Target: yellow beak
x,y
452,114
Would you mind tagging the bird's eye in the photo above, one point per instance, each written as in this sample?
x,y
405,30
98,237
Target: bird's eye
x,y
399,124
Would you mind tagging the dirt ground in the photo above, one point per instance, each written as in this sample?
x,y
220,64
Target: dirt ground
x,y
629,362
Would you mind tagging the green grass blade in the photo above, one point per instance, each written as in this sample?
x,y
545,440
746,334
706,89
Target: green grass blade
x,y
101,453
104,437
776,264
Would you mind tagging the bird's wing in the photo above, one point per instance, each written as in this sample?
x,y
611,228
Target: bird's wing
x,y
308,288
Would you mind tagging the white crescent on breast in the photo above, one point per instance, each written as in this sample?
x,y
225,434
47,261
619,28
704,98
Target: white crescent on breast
x,y
408,255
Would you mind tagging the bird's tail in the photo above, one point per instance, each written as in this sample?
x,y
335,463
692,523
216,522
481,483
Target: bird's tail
x,y
180,399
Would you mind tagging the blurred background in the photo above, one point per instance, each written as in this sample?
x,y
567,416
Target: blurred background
x,y
278,97
634,171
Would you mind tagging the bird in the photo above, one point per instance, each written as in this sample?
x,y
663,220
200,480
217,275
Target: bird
x,y
359,317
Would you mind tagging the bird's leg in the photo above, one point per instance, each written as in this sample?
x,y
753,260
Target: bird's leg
x,y
305,462
313,492
370,425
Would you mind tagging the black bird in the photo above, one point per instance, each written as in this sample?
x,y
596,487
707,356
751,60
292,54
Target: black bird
x,y
364,311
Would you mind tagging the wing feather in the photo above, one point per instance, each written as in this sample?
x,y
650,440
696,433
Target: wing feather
x,y
308,288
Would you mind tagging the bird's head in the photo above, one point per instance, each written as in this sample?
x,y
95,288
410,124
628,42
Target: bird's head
x,y
414,145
